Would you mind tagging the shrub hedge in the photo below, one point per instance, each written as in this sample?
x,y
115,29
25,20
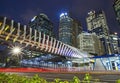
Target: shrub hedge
x,y
14,78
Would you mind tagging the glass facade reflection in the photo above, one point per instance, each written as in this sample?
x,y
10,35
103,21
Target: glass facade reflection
x,y
69,28
65,29
42,24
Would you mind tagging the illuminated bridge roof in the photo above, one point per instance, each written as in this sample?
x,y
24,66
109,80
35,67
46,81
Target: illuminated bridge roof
x,y
15,32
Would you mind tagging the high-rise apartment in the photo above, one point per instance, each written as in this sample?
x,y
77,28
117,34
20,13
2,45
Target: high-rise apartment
x,y
69,28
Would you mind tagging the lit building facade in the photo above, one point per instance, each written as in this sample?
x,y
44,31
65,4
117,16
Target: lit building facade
x,y
113,38
90,43
116,7
42,24
69,28
96,23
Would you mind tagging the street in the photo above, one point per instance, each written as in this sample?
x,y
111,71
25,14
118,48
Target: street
x,y
50,76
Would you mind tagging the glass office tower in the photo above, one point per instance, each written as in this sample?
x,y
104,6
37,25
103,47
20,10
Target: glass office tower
x,y
69,29
96,23
42,24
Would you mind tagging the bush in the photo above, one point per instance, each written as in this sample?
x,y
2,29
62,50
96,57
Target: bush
x,y
118,81
75,80
13,78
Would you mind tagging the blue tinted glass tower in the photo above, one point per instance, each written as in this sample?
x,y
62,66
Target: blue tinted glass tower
x,y
65,29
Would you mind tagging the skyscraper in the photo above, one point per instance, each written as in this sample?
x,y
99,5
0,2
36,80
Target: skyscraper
x,y
90,43
42,24
116,7
96,23
69,28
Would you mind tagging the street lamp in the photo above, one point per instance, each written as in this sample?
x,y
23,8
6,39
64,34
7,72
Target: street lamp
x,y
17,51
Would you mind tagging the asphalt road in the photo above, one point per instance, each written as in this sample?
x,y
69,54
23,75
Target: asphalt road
x,y
49,76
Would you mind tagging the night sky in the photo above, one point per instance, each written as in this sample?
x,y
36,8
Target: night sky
x,y
24,10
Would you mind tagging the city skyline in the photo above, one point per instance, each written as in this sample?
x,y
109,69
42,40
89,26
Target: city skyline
x,y
24,11
35,46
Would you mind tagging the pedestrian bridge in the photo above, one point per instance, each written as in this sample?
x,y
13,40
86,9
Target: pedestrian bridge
x,y
15,32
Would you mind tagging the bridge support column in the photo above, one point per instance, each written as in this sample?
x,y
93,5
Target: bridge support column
x,y
18,33
43,42
24,35
110,64
11,30
47,43
51,43
57,47
101,59
53,48
39,40
35,36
